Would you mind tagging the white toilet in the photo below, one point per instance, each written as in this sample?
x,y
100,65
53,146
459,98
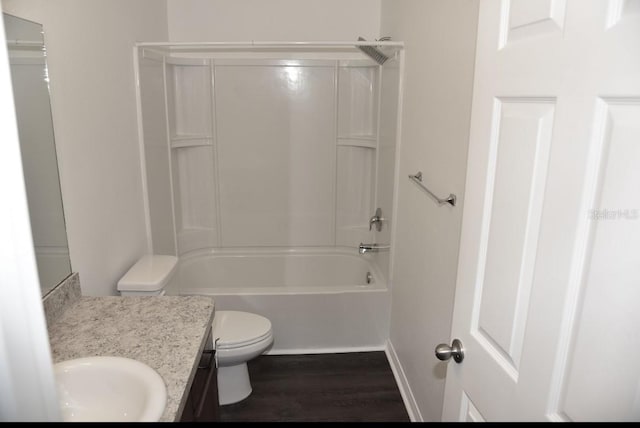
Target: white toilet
x,y
238,336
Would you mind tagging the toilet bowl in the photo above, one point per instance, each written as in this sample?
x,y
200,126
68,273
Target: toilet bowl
x,y
239,337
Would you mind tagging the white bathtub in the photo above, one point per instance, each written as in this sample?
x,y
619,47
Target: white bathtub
x,y
317,300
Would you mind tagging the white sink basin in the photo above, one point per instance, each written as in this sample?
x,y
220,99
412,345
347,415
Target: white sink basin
x,y
109,389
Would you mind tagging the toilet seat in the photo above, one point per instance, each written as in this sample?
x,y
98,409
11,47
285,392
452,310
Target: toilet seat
x,y
234,329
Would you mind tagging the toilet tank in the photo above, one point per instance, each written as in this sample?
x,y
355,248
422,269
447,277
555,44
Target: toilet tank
x,y
148,276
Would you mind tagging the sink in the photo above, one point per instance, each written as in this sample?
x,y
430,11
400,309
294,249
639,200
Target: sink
x,y
109,389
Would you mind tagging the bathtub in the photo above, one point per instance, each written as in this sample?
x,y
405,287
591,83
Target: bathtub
x,y
318,300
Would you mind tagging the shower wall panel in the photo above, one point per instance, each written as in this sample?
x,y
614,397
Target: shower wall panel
x,y
356,152
157,164
190,116
276,147
355,177
388,129
259,152
358,104
193,178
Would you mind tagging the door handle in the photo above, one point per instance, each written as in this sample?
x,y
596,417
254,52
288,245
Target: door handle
x,y
444,352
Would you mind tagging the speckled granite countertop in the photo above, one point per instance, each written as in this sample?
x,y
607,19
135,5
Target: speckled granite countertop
x,y
166,333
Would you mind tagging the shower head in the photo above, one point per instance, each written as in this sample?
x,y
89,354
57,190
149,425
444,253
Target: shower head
x,y
372,52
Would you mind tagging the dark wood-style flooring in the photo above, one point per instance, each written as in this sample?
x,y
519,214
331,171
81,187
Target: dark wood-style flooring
x,y
350,387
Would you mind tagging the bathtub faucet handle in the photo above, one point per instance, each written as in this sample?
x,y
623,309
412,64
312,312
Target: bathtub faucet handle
x,y
377,220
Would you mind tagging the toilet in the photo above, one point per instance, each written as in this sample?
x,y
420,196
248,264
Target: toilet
x,y
238,336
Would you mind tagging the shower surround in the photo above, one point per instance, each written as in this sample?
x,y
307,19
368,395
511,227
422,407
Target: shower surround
x,y
262,167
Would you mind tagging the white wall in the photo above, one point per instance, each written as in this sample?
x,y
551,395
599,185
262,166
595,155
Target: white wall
x,y
439,38
272,20
89,46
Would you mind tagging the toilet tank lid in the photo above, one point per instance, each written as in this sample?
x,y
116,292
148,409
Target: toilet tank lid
x,y
151,273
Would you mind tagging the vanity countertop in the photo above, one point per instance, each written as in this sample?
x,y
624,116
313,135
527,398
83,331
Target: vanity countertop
x,y
167,333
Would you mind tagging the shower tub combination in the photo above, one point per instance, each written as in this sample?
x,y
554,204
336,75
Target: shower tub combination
x,y
262,166
318,300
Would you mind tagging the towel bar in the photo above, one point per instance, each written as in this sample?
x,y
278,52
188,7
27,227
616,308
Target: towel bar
x,y
417,178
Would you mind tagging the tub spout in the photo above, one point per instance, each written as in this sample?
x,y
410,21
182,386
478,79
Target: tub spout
x,y
363,248
374,248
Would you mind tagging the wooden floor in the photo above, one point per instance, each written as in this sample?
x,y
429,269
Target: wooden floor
x,y
354,387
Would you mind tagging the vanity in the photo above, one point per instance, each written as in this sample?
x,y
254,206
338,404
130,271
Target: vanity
x,y
171,334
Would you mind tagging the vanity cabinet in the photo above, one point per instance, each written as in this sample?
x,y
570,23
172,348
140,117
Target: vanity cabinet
x,y
202,403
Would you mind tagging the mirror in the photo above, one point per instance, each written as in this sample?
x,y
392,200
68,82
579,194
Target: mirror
x,y
27,56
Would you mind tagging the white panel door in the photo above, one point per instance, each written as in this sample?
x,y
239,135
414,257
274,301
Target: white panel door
x,y
548,290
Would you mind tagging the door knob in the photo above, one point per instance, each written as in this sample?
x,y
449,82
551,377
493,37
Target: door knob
x,y
444,352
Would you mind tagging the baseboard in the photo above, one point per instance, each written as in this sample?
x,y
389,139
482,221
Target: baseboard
x,y
405,390
324,350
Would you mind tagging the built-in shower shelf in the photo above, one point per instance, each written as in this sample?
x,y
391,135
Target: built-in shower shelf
x,y
180,141
368,142
184,137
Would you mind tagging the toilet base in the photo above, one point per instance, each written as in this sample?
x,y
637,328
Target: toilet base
x,y
233,384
